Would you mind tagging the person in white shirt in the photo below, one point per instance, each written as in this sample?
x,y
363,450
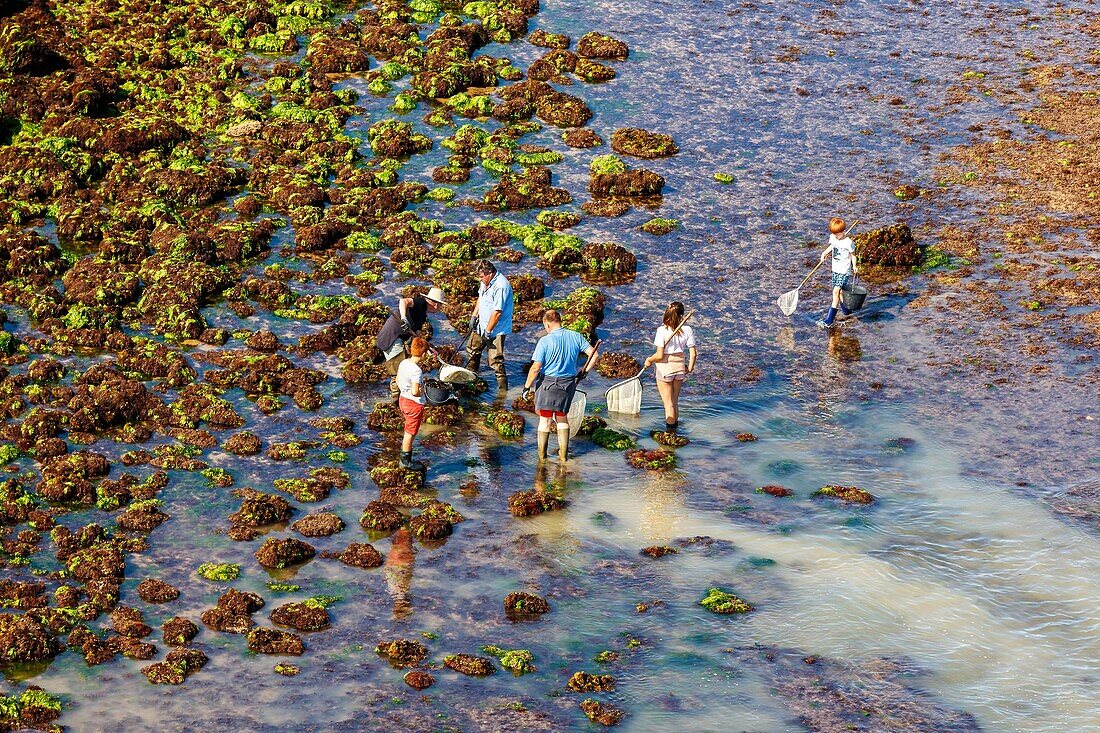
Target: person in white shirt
x,y
411,401
843,252
675,359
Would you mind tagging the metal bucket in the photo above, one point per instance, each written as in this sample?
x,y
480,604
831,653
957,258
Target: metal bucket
x,y
852,295
436,395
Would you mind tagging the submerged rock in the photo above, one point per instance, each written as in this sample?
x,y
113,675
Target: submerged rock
x,y
656,551
774,490
518,605
418,680
534,502
602,712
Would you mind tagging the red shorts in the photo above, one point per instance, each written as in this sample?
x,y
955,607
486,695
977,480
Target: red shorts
x,y
414,414
551,415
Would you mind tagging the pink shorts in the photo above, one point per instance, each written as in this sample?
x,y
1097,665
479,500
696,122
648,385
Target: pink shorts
x,y
672,369
551,414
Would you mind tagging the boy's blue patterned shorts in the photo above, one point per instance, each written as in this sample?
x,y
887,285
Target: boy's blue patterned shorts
x,y
840,279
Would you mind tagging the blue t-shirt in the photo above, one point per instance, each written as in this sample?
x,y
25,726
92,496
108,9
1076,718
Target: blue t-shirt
x,y
558,352
496,297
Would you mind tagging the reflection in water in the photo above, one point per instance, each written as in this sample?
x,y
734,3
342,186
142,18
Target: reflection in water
x,y
662,505
844,348
399,571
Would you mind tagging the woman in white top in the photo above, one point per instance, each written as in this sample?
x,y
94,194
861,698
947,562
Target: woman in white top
x,y
675,359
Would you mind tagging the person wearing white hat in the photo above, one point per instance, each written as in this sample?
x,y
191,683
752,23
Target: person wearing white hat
x,y
398,330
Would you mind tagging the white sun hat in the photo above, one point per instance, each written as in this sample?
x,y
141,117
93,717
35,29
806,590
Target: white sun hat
x,y
437,295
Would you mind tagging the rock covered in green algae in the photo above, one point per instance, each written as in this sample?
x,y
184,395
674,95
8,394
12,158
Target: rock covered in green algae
x,y
259,509
658,226
178,631
534,502
33,708
25,639
669,439
390,475
652,460
585,682
612,439
381,516
507,423
402,652
301,616
850,494
594,45
719,601
602,712
177,666
518,661
470,665
427,528
642,143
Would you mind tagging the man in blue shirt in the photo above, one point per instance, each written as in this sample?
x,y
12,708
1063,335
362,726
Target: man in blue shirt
x,y
490,322
554,375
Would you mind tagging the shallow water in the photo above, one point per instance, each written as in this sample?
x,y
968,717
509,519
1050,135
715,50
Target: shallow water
x,y
954,570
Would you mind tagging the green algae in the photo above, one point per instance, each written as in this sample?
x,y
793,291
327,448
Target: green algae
x,y
719,601
219,572
518,661
612,439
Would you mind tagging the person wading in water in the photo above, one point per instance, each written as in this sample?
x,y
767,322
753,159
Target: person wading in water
x,y
843,252
393,339
490,322
672,369
554,376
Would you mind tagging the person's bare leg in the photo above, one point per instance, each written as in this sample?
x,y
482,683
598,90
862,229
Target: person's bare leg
x,y
676,387
665,390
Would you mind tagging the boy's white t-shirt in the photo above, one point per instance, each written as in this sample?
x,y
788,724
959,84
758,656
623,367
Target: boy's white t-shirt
x,y
409,374
842,254
679,343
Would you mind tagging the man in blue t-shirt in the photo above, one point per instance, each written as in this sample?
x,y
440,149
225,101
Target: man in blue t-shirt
x,y
554,375
490,322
